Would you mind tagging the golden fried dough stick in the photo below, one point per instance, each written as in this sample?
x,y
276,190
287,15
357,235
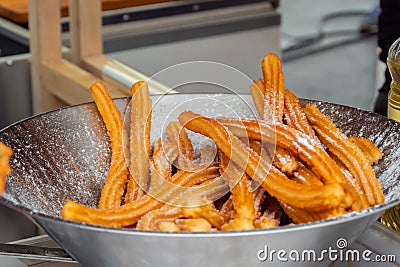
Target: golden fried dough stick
x,y
178,136
139,142
285,160
295,115
194,225
117,176
242,198
353,186
274,181
266,221
129,213
303,216
5,154
257,93
152,219
133,191
347,152
244,214
207,212
372,153
274,87
306,148
160,167
306,176
298,215
169,227
211,189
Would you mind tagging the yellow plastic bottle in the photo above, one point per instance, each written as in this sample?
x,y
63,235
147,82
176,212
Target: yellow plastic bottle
x,y
391,217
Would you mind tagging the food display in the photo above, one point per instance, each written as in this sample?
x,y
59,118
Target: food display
x,y
316,172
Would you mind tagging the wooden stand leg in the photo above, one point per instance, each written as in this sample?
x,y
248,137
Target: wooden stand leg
x,y
45,44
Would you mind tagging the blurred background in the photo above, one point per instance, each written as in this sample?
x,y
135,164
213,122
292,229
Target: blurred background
x,y
328,48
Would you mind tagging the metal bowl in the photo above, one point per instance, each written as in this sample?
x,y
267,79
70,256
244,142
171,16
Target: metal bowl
x,y
65,154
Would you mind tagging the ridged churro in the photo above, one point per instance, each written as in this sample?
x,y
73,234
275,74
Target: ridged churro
x,y
5,154
347,152
139,142
117,177
274,87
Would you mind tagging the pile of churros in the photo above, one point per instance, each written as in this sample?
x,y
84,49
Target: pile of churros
x,y
316,172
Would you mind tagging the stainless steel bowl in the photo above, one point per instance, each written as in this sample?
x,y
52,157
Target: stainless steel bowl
x,y
65,154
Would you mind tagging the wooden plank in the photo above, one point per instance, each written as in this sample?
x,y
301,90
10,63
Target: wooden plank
x,y
17,10
69,82
85,29
44,25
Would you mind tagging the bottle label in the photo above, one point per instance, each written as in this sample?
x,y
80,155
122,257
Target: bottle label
x,y
394,113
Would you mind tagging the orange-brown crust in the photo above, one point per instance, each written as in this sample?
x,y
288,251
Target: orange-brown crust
x,y
274,181
117,177
242,198
305,147
139,142
274,87
347,152
285,160
257,93
373,154
130,213
295,116
5,154
151,220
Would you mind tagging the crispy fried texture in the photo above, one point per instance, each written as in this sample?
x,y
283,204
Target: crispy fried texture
x,y
257,93
130,213
139,142
117,177
178,136
373,154
347,152
194,225
305,147
5,154
207,212
242,198
274,181
295,116
274,88
152,220
285,160
160,166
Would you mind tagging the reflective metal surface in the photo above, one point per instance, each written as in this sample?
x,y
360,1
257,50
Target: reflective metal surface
x,y
65,154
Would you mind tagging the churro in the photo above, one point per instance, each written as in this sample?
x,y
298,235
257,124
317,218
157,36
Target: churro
x,y
5,154
372,153
117,177
347,152
139,142
295,116
274,87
